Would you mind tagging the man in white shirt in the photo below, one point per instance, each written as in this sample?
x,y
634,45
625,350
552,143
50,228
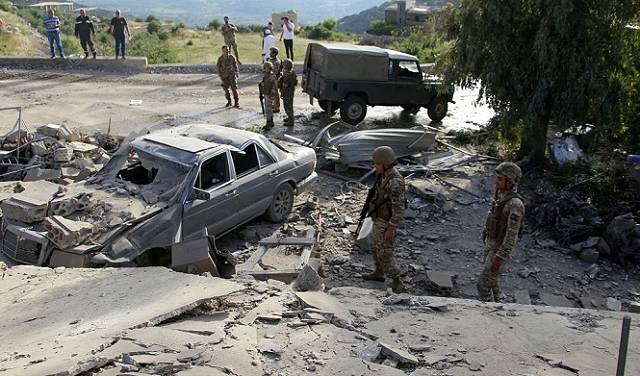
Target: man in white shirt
x,y
287,36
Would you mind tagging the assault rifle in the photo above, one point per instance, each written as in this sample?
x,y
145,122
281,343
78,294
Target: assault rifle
x,y
261,97
364,213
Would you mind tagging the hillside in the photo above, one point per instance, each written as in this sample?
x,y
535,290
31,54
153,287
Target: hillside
x,y
246,12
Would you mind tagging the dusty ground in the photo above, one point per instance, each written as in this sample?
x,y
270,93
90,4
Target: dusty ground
x,y
442,236
439,236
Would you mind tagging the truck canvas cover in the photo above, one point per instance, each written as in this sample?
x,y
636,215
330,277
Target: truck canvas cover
x,y
348,61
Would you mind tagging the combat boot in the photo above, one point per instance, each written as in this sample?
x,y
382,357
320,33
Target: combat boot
x,y
237,104
94,55
398,286
377,275
86,55
228,104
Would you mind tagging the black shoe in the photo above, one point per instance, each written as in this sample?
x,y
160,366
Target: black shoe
x,y
228,104
53,56
62,56
237,105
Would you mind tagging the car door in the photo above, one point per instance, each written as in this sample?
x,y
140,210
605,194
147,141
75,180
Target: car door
x,y
218,213
256,174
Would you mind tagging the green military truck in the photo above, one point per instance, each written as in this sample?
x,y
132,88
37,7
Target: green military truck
x,y
350,78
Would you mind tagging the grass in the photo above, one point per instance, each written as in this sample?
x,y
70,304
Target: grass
x,y
22,44
205,47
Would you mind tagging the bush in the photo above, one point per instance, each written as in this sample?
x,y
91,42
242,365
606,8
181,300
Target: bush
x,y
154,26
383,28
156,50
189,42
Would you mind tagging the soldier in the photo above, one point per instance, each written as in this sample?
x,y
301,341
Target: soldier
x,y
84,30
270,91
502,228
228,73
277,70
289,82
386,210
229,31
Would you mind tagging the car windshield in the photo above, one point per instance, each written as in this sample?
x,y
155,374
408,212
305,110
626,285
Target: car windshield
x,y
152,173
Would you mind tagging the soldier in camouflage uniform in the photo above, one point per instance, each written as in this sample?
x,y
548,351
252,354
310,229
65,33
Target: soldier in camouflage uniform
x,y
289,82
269,88
502,228
229,31
228,73
277,70
386,210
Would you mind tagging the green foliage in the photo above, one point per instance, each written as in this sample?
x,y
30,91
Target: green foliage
x,y
6,7
154,26
156,50
382,28
71,46
539,60
189,42
214,24
139,19
151,18
326,31
420,42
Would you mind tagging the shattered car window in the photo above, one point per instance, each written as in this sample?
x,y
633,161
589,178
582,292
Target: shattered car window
x,y
213,172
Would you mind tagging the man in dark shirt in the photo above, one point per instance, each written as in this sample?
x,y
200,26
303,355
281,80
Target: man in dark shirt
x,y
84,30
120,31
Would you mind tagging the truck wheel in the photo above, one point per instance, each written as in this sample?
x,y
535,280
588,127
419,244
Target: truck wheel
x,y
353,110
325,107
437,109
281,204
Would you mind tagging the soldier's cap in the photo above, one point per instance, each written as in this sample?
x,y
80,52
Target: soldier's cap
x,y
274,49
268,65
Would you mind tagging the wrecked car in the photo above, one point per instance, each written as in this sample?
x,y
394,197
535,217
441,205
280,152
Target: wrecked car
x,y
158,189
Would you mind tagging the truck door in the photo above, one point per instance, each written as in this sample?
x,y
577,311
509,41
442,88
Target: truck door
x,y
409,88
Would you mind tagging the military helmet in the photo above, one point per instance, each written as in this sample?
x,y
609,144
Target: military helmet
x,y
268,64
511,171
274,49
287,63
384,155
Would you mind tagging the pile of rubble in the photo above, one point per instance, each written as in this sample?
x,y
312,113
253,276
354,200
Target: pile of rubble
x,y
54,153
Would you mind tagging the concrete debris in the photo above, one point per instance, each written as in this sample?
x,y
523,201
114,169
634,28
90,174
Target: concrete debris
x,y
399,355
556,301
67,233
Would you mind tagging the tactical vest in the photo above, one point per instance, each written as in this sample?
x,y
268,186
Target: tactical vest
x,y
496,225
381,206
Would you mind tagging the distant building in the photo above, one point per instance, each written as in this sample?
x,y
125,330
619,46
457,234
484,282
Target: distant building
x,y
53,5
407,13
277,17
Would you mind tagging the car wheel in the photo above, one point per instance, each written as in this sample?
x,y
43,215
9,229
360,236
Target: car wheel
x,y
325,107
353,110
281,204
437,109
145,259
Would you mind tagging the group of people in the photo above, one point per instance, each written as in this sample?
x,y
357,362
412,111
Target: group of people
x,y
84,30
267,34
502,229
279,80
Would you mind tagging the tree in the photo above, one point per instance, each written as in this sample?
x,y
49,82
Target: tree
x,y
539,60
214,24
154,26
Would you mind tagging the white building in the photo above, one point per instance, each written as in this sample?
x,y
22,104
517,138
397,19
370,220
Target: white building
x,y
407,13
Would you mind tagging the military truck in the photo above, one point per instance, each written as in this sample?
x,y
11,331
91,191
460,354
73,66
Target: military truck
x,y
350,78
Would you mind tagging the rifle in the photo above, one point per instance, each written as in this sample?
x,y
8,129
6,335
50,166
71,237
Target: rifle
x,y
261,96
364,213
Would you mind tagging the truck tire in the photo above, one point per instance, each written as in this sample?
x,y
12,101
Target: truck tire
x,y
325,106
437,109
353,110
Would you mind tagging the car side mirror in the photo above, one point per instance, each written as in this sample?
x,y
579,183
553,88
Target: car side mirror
x,y
201,194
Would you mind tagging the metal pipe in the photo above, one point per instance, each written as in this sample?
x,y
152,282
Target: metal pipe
x,y
624,345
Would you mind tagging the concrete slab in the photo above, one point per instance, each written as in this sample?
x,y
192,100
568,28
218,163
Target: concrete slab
x,y
70,313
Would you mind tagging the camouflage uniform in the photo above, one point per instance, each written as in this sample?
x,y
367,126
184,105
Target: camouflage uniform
x,y
387,208
229,34
277,71
500,235
270,91
289,82
228,71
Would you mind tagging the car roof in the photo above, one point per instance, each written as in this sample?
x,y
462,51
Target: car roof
x,y
349,49
195,138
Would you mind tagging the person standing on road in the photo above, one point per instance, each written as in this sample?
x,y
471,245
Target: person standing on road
x,y
386,210
277,70
228,73
229,31
289,81
51,22
501,230
120,31
84,30
270,91
267,43
287,36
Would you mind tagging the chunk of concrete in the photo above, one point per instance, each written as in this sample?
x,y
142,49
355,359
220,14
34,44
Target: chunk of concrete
x,y
556,301
67,233
32,205
397,354
593,302
522,297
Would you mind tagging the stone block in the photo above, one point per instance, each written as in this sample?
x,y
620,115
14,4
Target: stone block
x,y
589,255
522,297
31,205
67,233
